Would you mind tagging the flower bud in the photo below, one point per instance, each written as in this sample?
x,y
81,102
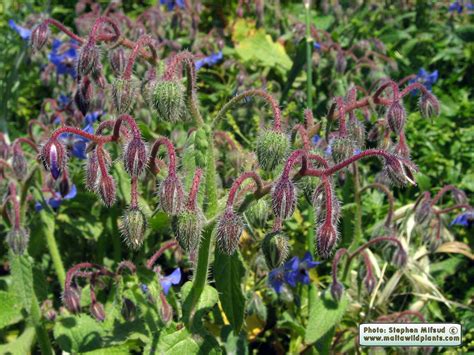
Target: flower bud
x,y
39,36
187,226
166,311
19,163
48,310
326,240
92,171
272,147
257,213
135,156
124,93
106,189
400,257
357,134
429,105
129,310
53,155
283,198
83,95
320,206
169,100
72,299
341,62
171,195
370,282
97,311
88,59
400,171
117,60
423,212
308,185
17,239
342,148
229,229
64,186
275,248
396,117
134,225
337,289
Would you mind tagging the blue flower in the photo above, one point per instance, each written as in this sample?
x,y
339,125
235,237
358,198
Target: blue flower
x,y
24,33
55,201
78,144
144,288
317,46
316,138
64,56
465,219
172,279
426,78
63,101
459,6
170,4
209,60
276,279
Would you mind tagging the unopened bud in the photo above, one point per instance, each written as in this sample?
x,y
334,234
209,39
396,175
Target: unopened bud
x,y
83,95
124,93
396,117
272,147
326,240
342,148
337,289
171,195
117,60
423,212
341,62
257,213
429,105
400,171
19,163
357,134
88,59
135,156
39,36
275,248
166,310
169,100
53,155
64,186
229,229
17,239
400,257
72,299
134,225
187,226
283,198
106,189
370,282
97,311
129,310
48,310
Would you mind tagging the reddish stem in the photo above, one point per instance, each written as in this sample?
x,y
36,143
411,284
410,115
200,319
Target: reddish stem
x,y
292,159
16,205
134,192
64,29
191,204
412,87
144,40
171,154
337,257
238,182
167,245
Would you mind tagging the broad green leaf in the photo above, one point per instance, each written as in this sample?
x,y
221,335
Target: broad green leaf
x,y
324,314
21,345
208,297
10,313
22,277
183,342
78,333
228,273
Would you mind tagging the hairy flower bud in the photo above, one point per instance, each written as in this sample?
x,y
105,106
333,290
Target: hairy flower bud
x,y
48,310
400,171
19,163
271,148
124,93
187,226
320,206
169,100
229,229
342,148
64,186
72,299
39,36
17,239
83,95
370,282
337,289
53,155
283,198
129,310
341,62
357,134
117,60
423,212
400,257
257,213
89,59
106,189
135,156
171,195
97,311
326,240
429,105
134,225
275,248
396,117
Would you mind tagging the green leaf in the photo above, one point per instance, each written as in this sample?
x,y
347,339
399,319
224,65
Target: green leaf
x,y
324,314
183,342
78,333
10,313
21,345
228,273
22,279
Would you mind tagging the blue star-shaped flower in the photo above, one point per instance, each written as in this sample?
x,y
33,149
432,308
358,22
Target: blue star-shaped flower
x,y
426,78
24,33
209,60
64,56
55,202
78,144
172,279
276,279
170,4
465,219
